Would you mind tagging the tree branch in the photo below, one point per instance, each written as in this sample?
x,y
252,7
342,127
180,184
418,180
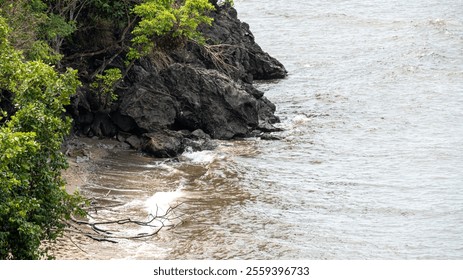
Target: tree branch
x,y
95,230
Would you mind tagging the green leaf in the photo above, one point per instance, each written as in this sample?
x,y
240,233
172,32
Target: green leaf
x,y
169,22
33,202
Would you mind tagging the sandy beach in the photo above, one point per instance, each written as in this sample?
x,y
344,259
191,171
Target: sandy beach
x,y
82,154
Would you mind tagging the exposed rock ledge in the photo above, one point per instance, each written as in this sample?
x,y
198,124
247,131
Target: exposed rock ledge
x,y
197,93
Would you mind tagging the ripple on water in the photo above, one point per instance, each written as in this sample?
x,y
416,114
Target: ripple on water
x,y
369,165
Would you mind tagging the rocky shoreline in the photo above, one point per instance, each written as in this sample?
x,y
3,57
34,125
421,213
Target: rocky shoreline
x,y
187,96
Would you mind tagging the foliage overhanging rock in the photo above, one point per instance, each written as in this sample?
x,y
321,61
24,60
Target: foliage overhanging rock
x,y
207,87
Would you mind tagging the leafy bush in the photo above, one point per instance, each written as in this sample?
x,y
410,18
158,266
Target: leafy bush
x,y
230,3
36,30
166,24
33,202
104,85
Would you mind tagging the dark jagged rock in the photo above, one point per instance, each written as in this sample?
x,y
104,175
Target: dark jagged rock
x,y
163,144
186,96
103,125
200,134
267,127
266,111
211,101
134,142
123,122
149,104
198,140
239,48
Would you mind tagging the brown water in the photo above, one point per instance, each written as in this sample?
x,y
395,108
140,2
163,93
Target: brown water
x,y
371,161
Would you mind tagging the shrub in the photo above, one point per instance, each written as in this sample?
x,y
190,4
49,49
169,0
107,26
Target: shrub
x,y
167,24
104,85
33,202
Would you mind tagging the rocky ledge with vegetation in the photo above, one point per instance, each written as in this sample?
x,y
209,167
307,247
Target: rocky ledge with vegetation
x,y
159,75
176,95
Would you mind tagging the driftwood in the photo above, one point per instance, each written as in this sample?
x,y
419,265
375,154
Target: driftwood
x,y
96,229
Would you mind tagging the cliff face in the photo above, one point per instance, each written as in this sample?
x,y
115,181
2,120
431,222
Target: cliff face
x,y
188,95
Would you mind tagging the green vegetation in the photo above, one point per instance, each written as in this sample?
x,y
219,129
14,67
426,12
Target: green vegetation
x,y
38,38
37,31
33,202
104,85
228,2
167,24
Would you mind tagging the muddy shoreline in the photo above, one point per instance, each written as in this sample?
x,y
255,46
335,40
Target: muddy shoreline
x,y
83,154
165,110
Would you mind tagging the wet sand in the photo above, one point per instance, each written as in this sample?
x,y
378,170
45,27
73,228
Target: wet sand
x,y
82,154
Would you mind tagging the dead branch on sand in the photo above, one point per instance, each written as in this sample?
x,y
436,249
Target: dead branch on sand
x,y
106,231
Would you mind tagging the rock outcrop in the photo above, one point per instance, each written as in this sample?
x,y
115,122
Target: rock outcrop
x,y
197,90
236,41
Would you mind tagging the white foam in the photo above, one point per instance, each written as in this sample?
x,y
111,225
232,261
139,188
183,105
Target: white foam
x,y
160,202
295,122
201,157
299,120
